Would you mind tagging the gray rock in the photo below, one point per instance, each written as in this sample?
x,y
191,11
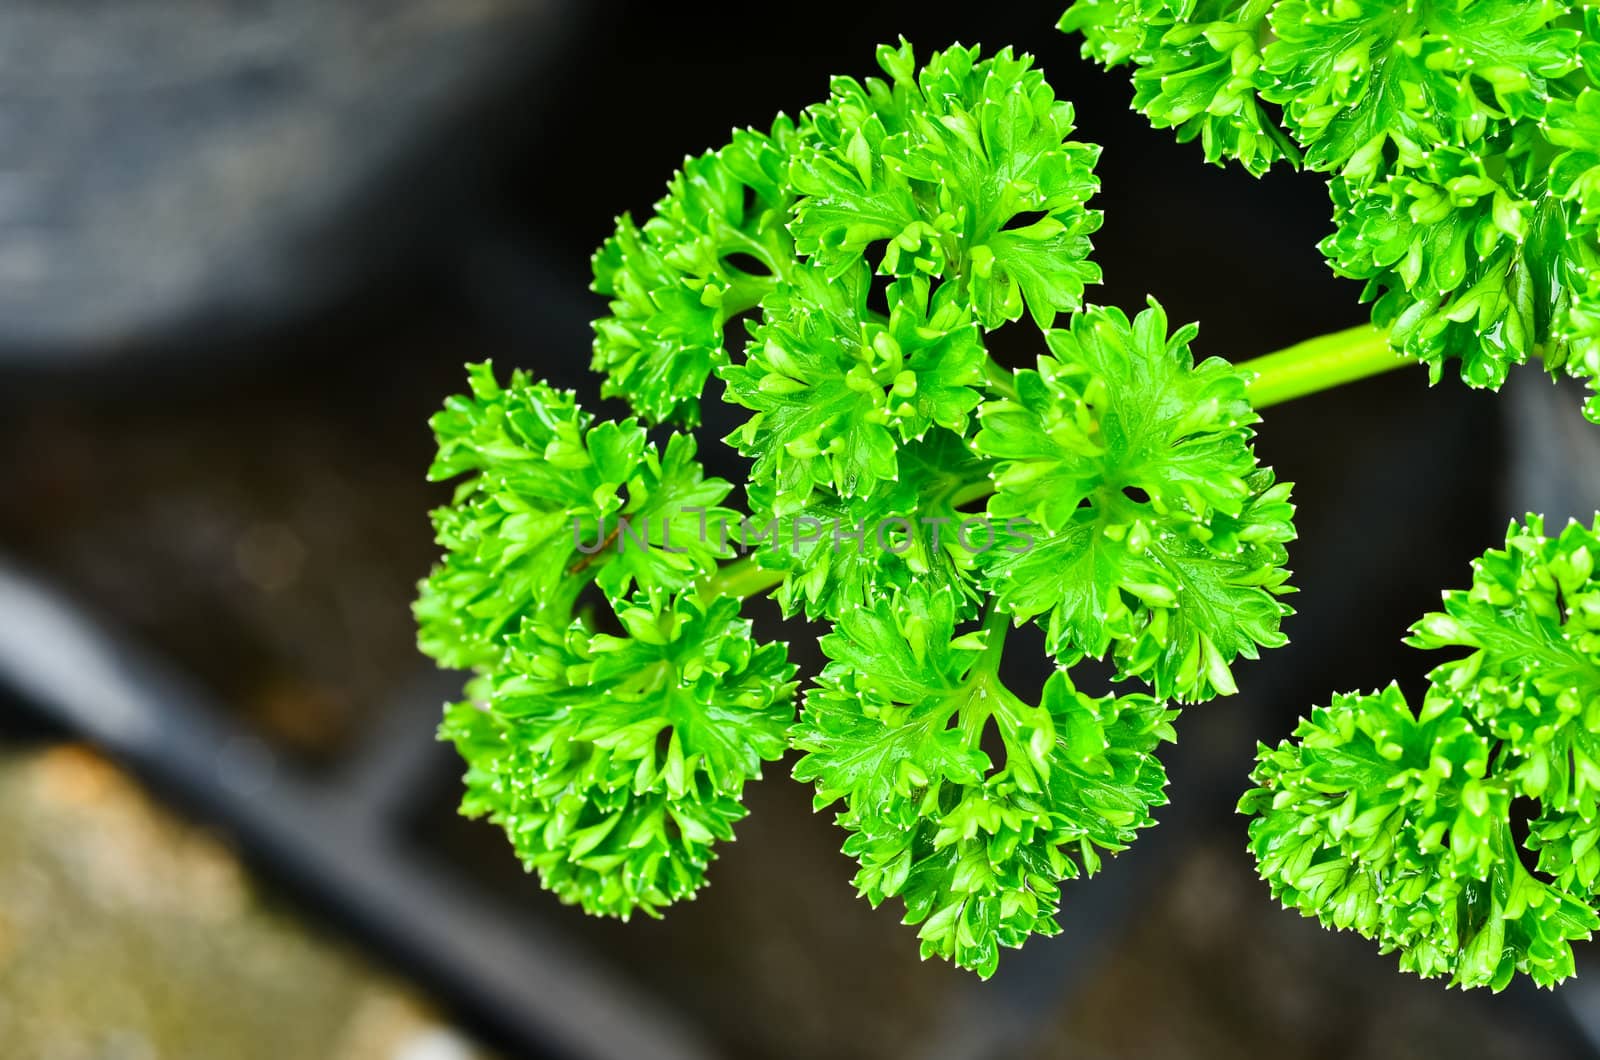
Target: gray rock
x,y
172,168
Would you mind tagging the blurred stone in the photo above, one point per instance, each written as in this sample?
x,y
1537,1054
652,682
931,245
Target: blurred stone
x,y
126,933
186,169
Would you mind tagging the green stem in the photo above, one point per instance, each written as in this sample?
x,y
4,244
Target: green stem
x,y
972,491
745,292
741,578
1000,379
996,624
1320,364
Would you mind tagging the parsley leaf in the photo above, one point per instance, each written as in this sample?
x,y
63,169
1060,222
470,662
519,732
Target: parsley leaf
x,y
836,390
946,166
614,763
841,553
1398,824
540,512
673,284
1197,69
975,848
1158,538
1458,138
529,472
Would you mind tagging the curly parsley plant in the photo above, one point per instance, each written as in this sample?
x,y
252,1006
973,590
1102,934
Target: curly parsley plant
x,y
840,274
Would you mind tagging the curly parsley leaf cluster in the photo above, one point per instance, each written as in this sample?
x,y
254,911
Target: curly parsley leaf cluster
x,y
839,554
837,391
959,175
1197,69
1130,515
592,579
540,486
711,249
976,848
1459,138
612,762
1398,823
964,172
1161,538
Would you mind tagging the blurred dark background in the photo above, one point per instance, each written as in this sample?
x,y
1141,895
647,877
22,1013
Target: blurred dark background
x,y
245,248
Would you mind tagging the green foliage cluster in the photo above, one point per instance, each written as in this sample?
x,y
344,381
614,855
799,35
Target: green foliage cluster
x,y
612,761
1400,823
1461,139
1110,492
